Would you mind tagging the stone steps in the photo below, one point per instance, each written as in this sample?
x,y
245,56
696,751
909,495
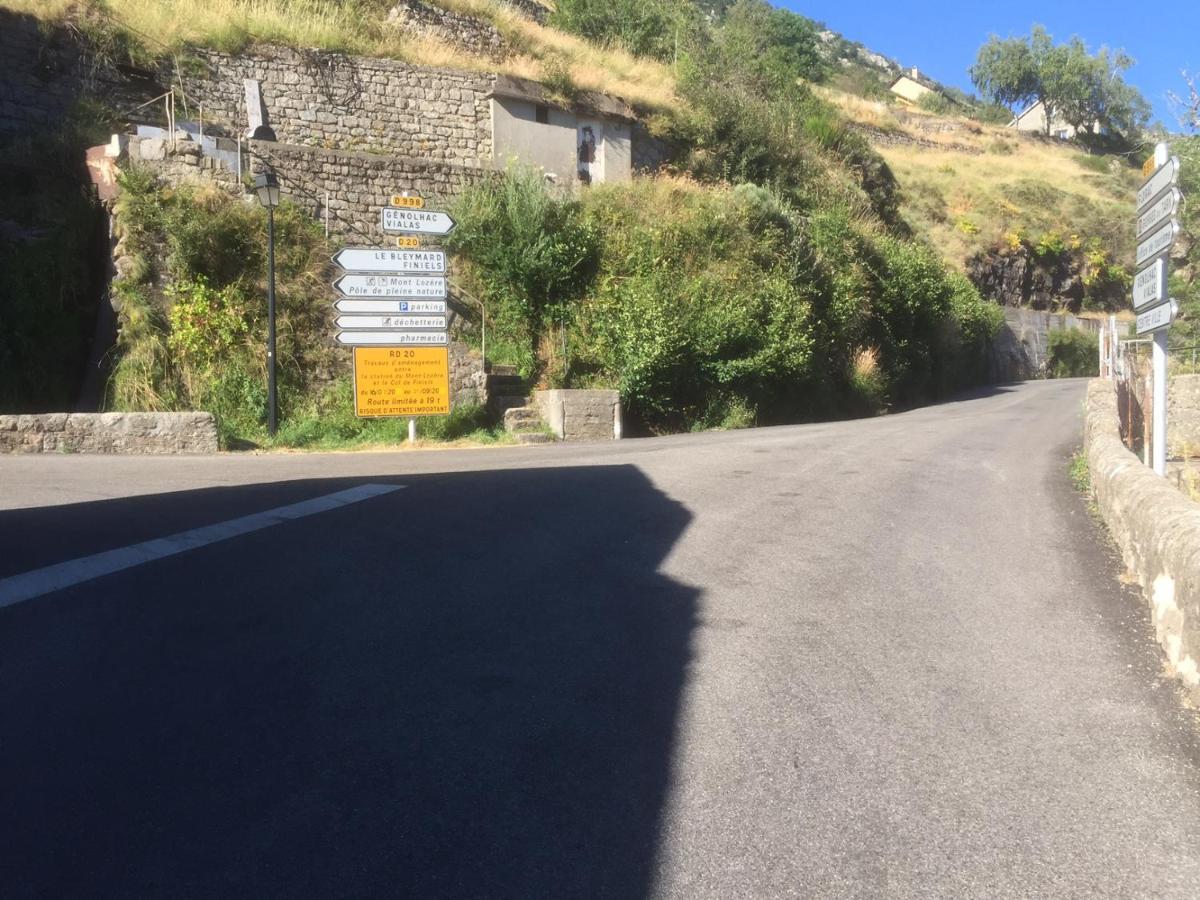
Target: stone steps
x,y
526,424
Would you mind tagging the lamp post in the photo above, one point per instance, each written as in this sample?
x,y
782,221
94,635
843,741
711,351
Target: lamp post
x,y
267,187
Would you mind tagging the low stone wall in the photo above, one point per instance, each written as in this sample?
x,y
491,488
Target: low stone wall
x,y
1183,416
133,433
1157,530
581,415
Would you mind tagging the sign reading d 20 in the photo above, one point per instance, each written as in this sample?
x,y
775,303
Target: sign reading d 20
x,y
401,381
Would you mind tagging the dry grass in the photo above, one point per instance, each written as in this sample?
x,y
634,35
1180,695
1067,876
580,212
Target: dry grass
x,y
167,25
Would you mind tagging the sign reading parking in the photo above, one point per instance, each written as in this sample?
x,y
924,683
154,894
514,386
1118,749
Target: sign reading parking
x,y
401,381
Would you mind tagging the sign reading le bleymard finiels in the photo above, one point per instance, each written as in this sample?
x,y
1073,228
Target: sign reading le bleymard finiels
x,y
1157,229
392,312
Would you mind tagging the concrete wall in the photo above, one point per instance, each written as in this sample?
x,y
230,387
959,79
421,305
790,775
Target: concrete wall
x,y
553,145
184,432
1157,529
581,415
1019,350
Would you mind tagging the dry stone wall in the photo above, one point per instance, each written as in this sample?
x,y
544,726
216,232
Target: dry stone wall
x,y
350,103
353,186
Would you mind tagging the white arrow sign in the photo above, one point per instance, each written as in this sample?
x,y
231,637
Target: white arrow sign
x,y
392,338
353,322
1150,284
391,306
1164,178
391,286
1159,242
1157,317
381,259
1159,211
414,221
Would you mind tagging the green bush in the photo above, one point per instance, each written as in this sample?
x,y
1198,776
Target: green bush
x,y
643,27
192,321
530,253
1071,354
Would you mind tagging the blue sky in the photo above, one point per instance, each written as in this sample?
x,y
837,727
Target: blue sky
x,y
941,37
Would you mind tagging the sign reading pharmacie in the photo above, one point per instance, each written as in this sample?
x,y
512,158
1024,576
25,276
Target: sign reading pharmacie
x,y
1157,230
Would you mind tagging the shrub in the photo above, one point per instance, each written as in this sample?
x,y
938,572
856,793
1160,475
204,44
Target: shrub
x,y
1071,354
531,253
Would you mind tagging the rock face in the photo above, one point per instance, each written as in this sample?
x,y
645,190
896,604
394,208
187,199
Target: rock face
x,y
185,432
1051,283
466,32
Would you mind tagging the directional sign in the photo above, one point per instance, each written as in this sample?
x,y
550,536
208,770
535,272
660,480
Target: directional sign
x,y
1150,284
391,306
383,259
1157,317
414,221
1158,243
401,322
1158,182
1159,211
393,338
401,382
405,286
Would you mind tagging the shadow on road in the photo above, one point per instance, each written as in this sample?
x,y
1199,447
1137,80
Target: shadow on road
x,y
467,688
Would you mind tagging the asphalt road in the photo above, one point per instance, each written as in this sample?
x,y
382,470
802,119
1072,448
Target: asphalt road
x,y
875,658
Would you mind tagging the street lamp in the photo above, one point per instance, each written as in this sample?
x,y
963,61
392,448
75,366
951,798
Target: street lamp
x,y
266,186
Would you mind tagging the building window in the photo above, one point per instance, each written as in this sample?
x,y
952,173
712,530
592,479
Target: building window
x,y
541,114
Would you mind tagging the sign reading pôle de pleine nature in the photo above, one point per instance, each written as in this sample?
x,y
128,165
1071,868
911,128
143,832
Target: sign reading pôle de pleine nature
x,y
401,381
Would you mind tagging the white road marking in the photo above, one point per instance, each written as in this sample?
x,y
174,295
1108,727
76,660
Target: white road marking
x,y
28,585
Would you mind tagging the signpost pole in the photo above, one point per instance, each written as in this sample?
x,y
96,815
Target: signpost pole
x,y
271,321
412,431
1159,403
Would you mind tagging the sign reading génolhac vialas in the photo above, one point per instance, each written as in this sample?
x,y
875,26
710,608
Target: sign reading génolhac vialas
x,y
1158,243
432,286
383,259
393,338
414,221
1150,284
1157,317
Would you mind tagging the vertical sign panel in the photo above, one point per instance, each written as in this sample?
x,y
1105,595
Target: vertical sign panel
x,y
401,381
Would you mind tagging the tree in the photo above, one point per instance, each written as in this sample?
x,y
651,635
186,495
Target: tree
x,y
1086,91
1187,109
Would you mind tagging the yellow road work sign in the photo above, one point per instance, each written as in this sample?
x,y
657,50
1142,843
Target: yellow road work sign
x,y
401,381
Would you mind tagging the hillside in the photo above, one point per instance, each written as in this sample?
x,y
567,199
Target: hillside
x,y
796,253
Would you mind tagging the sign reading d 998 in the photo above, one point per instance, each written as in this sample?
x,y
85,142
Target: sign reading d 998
x,y
401,381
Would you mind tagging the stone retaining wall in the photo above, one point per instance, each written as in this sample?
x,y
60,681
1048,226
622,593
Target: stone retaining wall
x,y
358,184
133,433
1157,530
468,33
352,103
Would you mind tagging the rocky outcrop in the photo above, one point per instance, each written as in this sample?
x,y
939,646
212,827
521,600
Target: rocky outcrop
x,y
1053,282
132,433
467,33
